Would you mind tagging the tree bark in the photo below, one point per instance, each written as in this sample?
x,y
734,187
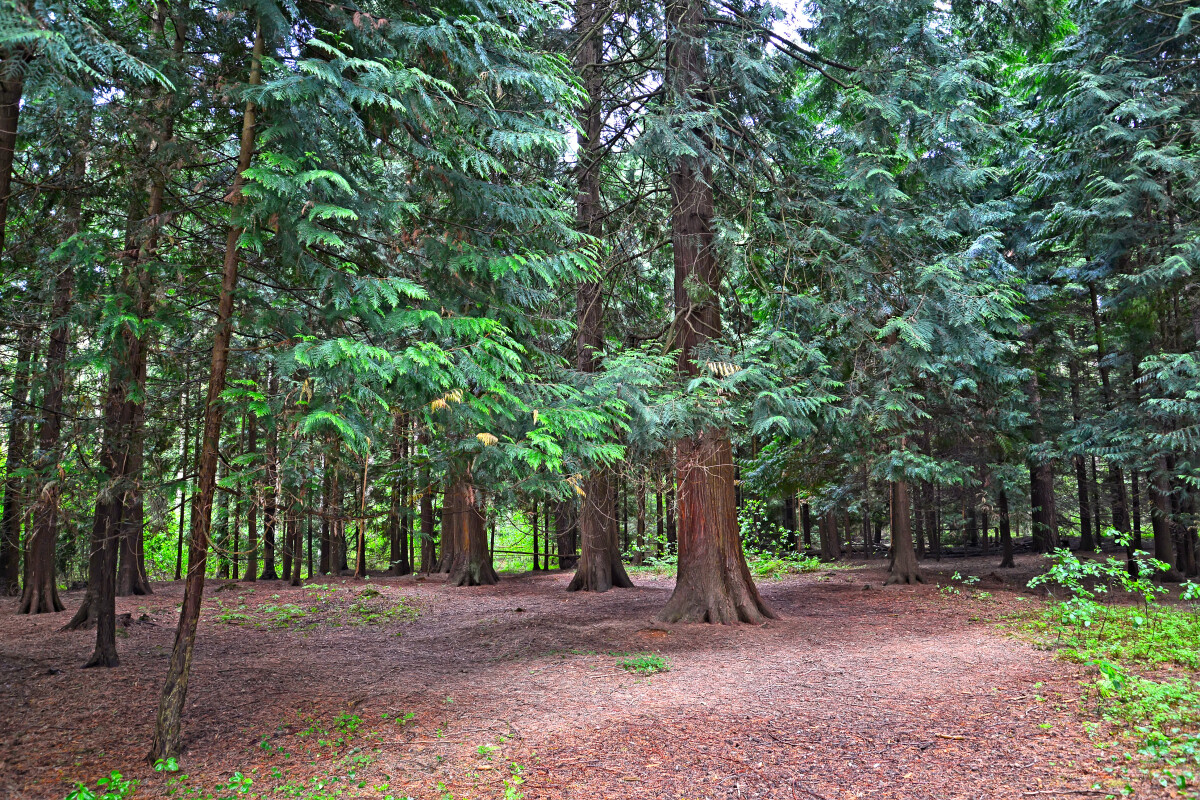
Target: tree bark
x,y
11,90
831,546
806,525
566,534
1041,479
903,568
463,523
1006,542
270,489
713,582
41,592
251,573
169,718
1160,519
10,517
599,568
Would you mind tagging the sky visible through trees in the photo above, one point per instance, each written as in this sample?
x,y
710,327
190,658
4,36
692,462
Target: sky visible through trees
x,y
682,295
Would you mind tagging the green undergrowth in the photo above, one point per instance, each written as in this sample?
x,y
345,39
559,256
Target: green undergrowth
x,y
645,664
1142,694
322,605
311,757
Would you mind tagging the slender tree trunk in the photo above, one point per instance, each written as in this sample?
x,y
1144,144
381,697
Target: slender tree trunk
x,y
640,555
327,481
806,525
428,551
10,518
169,719
462,522
1116,477
1006,542
1160,518
565,530
41,591
904,568
183,483
1041,479
11,89
251,573
364,493
713,582
271,489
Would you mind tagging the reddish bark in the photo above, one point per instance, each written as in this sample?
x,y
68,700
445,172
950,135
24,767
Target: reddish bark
x,y
463,524
904,568
713,582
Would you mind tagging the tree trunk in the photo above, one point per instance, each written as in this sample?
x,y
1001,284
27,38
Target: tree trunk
x,y
1116,476
565,533
251,573
831,546
271,489
11,89
1160,518
10,518
903,568
183,482
599,568
41,590
463,523
806,525
169,718
640,493
1041,479
428,550
1006,542
713,582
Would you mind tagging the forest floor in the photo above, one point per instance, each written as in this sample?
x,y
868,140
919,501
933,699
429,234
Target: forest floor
x,y
409,688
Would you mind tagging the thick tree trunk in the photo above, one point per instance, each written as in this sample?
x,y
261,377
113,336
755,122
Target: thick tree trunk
x,y
903,568
599,568
463,523
714,583
169,719
10,517
827,532
98,608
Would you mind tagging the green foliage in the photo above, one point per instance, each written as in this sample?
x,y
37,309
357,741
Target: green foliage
x,y
114,787
645,664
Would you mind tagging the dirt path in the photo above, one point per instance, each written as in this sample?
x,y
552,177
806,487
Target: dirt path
x,y
856,693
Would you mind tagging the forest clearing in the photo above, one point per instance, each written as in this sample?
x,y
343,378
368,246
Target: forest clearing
x,y
856,692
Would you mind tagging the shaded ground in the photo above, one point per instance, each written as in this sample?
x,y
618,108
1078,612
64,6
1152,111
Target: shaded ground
x,y
856,693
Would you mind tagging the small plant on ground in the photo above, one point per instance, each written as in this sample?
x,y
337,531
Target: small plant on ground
x,y
114,787
646,664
